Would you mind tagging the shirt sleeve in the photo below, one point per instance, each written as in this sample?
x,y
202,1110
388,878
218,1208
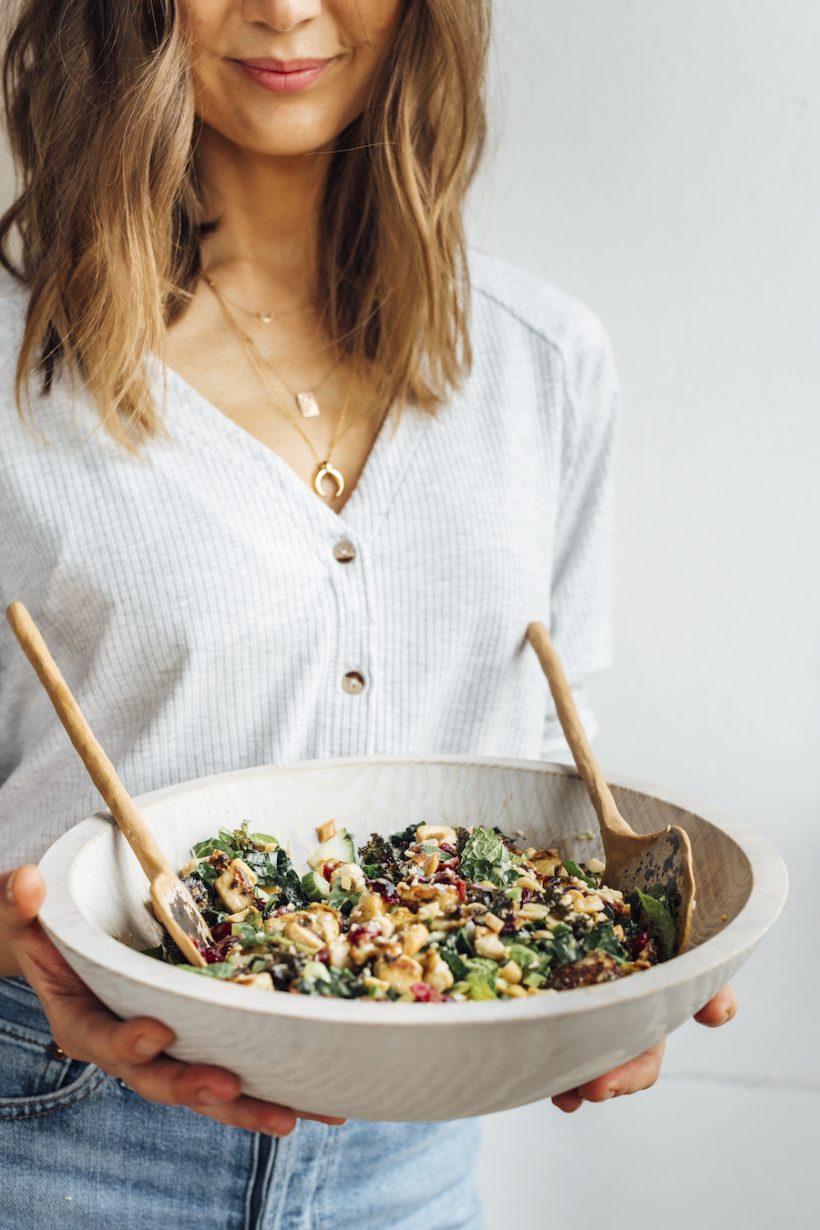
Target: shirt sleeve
x,y
580,600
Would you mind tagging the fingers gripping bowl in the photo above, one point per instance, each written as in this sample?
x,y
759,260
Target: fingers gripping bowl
x,y
394,1060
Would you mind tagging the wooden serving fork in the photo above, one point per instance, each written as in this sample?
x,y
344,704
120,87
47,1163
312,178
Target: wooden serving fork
x,y
633,860
173,904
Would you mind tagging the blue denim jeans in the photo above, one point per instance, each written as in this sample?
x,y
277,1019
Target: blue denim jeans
x,y
79,1150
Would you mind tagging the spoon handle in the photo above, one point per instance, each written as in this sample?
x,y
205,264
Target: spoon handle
x,y
606,808
103,773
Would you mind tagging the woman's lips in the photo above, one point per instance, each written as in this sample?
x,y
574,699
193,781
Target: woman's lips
x,y
283,82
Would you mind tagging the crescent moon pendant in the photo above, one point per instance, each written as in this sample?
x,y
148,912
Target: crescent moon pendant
x,y
319,473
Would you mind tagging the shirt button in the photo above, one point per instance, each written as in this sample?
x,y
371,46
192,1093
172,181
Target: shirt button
x,y
344,551
352,681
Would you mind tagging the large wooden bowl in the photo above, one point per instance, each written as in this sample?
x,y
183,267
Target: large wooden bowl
x,y
394,1061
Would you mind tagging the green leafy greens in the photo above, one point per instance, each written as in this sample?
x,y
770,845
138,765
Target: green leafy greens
x,y
485,857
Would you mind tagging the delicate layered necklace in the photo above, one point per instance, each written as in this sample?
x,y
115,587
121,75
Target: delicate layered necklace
x,y
305,400
264,370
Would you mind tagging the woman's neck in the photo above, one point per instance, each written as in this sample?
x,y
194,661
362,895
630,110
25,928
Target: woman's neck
x,y
265,248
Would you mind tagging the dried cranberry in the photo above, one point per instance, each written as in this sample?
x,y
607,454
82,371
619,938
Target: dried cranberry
x,y
260,902
362,931
220,930
509,926
461,889
526,893
445,876
218,952
322,955
385,889
327,870
446,847
639,942
425,994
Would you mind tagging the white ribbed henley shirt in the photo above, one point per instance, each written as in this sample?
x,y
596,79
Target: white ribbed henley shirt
x,y
208,610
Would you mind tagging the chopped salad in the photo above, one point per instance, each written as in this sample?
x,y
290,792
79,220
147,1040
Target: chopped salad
x,y
430,914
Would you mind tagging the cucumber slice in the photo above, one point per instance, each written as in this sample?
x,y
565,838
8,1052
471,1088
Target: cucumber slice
x,y
339,846
315,886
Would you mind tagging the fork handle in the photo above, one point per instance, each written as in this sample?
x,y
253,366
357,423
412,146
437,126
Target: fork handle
x,y
606,808
102,772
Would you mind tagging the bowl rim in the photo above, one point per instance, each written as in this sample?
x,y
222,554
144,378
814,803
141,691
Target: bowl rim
x,y
65,922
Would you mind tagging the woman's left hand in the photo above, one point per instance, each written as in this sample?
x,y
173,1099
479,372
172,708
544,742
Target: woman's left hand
x,y
641,1073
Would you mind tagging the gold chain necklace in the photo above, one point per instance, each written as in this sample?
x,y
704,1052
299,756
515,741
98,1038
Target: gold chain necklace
x,y
305,399
324,466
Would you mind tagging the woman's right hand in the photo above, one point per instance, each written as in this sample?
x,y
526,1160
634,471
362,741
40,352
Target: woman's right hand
x,y
85,1029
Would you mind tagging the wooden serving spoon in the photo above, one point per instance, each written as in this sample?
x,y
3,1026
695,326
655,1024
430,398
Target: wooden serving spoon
x,y
173,904
633,860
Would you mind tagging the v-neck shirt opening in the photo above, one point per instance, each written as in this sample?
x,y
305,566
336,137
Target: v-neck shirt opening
x,y
192,412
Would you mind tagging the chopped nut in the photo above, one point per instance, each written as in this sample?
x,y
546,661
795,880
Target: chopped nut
x,y
445,895
349,877
414,938
324,920
437,973
532,909
436,832
339,953
489,945
493,921
546,862
386,925
369,905
239,915
262,982
596,866
401,973
515,992
300,935
528,882
511,971
377,983
327,830
430,864
400,916
236,885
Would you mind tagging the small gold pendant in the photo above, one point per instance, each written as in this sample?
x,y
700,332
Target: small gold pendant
x,y
321,470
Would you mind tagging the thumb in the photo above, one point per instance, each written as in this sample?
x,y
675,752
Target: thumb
x,y
22,892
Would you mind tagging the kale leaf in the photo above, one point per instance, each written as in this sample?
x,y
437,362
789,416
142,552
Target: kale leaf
x,y
219,969
285,878
604,939
658,918
575,870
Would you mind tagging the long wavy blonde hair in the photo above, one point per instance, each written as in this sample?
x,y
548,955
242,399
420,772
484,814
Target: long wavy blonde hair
x,y
109,215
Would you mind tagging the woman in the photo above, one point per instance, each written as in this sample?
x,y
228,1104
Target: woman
x,y
230,278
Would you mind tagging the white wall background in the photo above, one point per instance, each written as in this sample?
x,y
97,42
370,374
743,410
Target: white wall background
x,y
661,161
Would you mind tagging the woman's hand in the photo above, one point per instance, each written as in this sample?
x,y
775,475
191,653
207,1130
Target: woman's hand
x,y
84,1028
641,1073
